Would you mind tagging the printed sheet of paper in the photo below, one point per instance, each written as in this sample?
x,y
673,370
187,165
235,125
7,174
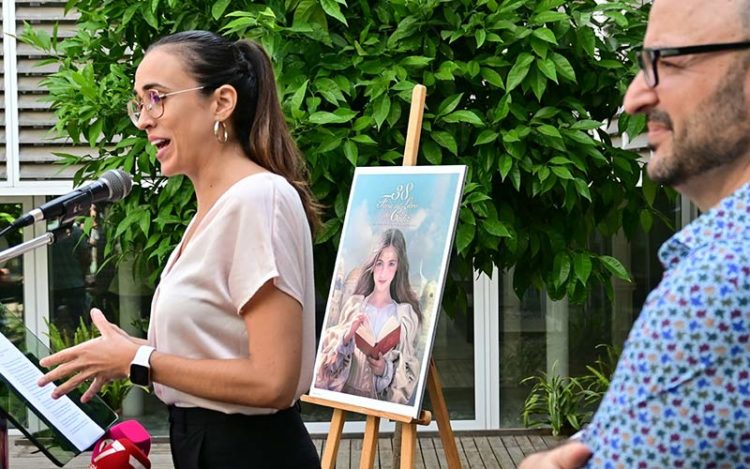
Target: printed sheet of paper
x,y
62,413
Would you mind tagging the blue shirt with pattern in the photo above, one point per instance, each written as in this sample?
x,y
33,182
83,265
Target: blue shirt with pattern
x,y
680,396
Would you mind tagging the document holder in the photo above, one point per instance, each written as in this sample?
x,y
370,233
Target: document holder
x,y
61,428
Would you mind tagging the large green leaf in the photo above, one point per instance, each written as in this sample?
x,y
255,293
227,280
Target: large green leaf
x,y
549,17
549,131
545,34
582,266
468,117
446,140
299,95
328,230
496,228
449,104
333,9
309,16
561,268
519,70
339,116
563,67
486,136
381,109
548,68
464,236
218,8
351,152
615,266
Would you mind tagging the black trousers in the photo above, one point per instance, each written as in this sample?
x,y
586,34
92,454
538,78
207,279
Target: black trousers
x,y
206,439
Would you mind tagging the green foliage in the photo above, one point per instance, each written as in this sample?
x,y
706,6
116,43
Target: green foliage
x,y
595,384
114,392
566,403
520,91
554,401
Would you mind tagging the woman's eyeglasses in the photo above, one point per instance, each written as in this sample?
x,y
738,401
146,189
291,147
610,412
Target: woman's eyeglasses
x,y
154,104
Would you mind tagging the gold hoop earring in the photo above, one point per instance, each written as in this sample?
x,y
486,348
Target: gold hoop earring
x,y
220,132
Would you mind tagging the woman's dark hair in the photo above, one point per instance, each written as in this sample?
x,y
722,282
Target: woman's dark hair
x,y
257,120
401,291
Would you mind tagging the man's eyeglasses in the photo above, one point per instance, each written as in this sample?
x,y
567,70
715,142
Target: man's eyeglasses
x,y
154,104
648,58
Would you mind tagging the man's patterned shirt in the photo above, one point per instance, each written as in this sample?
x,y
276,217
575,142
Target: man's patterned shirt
x,y
681,394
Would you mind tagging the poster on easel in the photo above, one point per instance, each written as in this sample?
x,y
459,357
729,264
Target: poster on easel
x,y
384,300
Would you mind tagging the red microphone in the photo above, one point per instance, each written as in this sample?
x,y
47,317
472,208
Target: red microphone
x,y
117,442
130,430
119,454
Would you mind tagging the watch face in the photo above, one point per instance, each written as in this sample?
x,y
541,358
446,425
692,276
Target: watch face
x,y
139,375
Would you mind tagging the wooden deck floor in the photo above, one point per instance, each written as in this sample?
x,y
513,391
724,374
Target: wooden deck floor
x,y
476,451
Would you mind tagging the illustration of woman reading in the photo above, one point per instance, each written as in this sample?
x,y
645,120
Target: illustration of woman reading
x,y
371,352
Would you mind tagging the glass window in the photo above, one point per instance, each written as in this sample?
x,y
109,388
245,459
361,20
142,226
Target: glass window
x,y
80,279
537,333
70,262
522,347
12,306
11,271
453,352
453,345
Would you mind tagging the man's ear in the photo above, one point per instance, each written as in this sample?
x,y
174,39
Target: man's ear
x,y
225,100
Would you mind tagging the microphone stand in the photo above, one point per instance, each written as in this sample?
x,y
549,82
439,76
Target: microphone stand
x,y
39,241
61,232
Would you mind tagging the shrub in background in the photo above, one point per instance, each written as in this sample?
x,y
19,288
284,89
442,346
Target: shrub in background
x,y
520,91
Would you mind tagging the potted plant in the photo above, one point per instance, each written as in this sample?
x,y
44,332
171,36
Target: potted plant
x,y
555,401
566,403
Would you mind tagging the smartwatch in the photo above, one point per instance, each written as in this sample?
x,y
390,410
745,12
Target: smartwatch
x,y
140,368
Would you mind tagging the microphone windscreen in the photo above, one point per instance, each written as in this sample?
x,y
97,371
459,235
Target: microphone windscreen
x,y
119,183
120,454
130,430
133,431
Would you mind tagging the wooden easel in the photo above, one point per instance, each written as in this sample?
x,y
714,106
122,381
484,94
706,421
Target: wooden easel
x,y
434,386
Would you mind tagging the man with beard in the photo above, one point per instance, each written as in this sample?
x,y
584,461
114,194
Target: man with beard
x,y
680,396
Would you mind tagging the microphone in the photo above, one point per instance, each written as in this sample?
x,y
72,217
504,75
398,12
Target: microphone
x,y
112,186
120,454
131,430
125,445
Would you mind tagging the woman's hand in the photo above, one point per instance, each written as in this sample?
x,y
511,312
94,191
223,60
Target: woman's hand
x,y
358,321
101,359
377,364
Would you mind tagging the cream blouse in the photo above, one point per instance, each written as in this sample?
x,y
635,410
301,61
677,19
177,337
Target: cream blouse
x,y
256,231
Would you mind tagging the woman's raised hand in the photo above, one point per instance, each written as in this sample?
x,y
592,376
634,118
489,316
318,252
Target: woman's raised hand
x,y
102,359
358,321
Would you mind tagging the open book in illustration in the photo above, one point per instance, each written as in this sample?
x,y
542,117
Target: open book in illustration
x,y
389,337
